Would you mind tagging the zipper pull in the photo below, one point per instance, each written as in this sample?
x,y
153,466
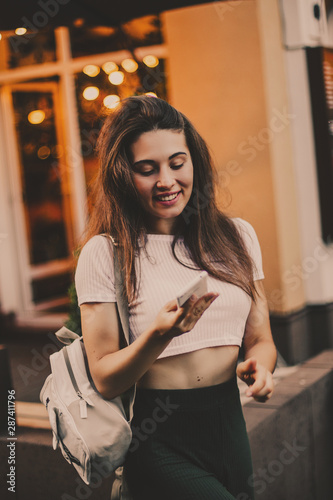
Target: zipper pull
x,y
83,406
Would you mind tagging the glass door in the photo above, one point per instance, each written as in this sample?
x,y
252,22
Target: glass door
x,y
44,196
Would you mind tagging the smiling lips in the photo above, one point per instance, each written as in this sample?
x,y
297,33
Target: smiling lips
x,y
167,198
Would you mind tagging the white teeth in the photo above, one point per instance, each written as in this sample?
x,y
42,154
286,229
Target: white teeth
x,y
167,198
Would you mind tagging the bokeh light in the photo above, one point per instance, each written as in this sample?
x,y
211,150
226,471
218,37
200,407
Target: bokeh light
x,y
20,31
108,67
43,152
129,65
111,101
116,77
91,70
150,61
91,93
37,116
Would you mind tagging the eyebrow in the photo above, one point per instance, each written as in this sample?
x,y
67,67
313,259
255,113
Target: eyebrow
x,y
152,162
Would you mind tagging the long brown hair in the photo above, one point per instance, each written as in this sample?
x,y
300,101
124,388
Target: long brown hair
x,y
211,237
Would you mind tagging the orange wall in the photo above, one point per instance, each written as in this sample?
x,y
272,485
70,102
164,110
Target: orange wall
x,y
226,73
216,77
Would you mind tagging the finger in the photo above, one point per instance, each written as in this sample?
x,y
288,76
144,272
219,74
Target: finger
x,y
260,388
258,384
265,383
203,303
190,301
261,399
196,309
250,364
246,369
171,305
248,378
266,392
264,395
208,297
186,307
184,310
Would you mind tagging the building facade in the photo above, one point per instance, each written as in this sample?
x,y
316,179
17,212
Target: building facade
x,y
234,69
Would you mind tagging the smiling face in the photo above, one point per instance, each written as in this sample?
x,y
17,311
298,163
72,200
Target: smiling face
x,y
163,177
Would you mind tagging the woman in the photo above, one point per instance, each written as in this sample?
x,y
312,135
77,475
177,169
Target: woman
x,y
155,194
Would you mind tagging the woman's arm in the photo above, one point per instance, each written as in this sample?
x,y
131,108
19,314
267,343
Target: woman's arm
x,y
259,350
115,370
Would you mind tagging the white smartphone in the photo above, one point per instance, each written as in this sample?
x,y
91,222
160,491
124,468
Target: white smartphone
x,y
197,286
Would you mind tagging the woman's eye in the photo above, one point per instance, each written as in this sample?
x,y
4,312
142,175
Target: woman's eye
x,y
147,172
177,166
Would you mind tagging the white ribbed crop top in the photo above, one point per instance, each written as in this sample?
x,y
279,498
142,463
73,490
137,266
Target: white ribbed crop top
x,y
161,278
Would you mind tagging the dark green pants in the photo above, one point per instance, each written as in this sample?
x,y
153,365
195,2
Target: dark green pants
x,y
189,444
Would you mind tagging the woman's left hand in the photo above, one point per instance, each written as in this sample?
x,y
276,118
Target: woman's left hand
x,y
258,378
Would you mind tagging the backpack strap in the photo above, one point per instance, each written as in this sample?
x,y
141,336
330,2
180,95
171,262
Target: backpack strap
x,y
122,306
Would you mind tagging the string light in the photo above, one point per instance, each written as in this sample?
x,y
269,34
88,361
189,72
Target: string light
x,y
91,70
20,31
108,67
37,116
150,61
129,65
116,77
111,101
91,93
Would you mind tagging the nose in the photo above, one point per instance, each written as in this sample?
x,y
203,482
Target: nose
x,y
166,179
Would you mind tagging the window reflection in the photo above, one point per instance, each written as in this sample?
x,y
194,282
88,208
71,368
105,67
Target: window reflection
x,y
99,95
40,176
31,48
88,40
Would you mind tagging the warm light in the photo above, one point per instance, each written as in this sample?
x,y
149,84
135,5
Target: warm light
x,y
20,31
152,94
91,70
91,93
150,61
0,36
43,152
116,77
79,22
36,116
108,67
129,65
111,101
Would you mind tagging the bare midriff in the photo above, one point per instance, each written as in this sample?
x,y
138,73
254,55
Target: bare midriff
x,y
201,368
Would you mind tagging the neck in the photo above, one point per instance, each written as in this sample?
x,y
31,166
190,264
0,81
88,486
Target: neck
x,y
162,226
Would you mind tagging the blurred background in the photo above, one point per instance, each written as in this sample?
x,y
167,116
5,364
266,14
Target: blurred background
x,y
256,79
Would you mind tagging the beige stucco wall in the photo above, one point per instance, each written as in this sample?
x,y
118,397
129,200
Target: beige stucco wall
x,y
221,76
